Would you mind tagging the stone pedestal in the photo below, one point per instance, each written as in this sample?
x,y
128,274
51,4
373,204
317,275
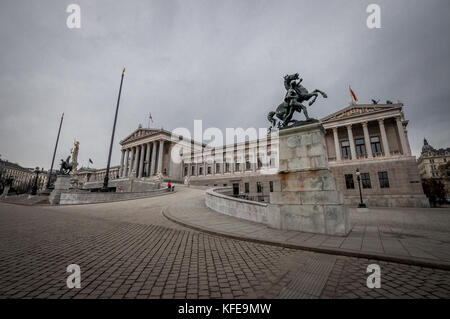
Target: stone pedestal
x,y
62,184
307,198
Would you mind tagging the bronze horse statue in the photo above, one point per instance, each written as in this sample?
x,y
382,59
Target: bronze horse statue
x,y
295,95
66,166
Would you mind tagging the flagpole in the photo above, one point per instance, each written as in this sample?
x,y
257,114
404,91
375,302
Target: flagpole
x,y
54,153
105,181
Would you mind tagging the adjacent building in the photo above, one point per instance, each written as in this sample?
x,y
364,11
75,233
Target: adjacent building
x,y
23,178
433,164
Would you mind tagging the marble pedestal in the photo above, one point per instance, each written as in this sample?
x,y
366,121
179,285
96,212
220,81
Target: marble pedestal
x,y
62,184
307,198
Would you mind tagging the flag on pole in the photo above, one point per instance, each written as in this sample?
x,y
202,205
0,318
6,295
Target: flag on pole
x,y
150,117
90,161
353,94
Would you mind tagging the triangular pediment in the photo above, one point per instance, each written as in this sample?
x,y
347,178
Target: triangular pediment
x,y
140,133
358,110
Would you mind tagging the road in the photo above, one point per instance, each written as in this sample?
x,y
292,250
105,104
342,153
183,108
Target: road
x,y
130,250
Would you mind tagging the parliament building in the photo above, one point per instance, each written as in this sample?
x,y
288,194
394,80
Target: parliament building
x,y
371,138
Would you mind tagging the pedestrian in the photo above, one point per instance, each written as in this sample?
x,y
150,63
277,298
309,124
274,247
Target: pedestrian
x,y
169,186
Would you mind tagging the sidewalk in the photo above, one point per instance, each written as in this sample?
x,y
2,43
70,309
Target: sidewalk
x,y
382,242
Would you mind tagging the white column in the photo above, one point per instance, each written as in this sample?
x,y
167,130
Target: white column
x,y
130,169
351,141
401,133
121,163
336,144
367,140
141,161
384,140
170,168
152,167
147,159
160,156
135,163
125,170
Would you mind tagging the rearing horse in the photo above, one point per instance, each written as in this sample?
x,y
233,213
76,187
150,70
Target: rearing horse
x,y
296,94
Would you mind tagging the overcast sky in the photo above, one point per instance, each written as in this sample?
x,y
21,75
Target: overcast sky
x,y
219,61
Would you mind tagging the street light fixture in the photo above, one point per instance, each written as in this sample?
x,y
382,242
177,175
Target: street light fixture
x,y
358,177
35,185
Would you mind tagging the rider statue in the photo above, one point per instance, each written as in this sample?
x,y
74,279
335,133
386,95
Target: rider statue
x,y
295,95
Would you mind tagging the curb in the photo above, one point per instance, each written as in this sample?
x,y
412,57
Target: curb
x,y
341,252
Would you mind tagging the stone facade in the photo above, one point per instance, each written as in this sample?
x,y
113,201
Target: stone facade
x,y
372,138
433,164
23,178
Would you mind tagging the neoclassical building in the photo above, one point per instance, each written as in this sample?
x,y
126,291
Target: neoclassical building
x,y
23,178
371,138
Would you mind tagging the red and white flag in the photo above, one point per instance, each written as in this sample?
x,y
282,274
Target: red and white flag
x,y
353,94
150,117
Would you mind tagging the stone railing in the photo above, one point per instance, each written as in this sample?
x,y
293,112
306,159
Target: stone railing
x,y
220,200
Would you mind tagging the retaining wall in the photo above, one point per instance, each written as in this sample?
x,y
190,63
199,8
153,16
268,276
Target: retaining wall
x,y
72,198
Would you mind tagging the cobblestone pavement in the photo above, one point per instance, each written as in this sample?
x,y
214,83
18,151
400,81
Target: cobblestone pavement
x,y
129,250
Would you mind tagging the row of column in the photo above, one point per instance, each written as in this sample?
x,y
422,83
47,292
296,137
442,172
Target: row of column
x,y
401,132
133,163
253,159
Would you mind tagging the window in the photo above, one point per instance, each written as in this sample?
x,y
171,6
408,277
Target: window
x,y
247,188
345,150
360,147
259,187
217,167
225,185
259,163
384,179
271,186
193,170
247,165
349,183
209,169
365,180
227,167
200,171
375,144
237,167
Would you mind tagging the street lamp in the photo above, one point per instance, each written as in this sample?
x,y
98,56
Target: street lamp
x,y
358,177
105,181
35,185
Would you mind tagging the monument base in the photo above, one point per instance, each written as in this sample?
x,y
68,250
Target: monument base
x,y
62,184
307,198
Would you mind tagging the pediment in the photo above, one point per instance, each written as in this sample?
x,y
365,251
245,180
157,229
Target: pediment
x,y
356,110
140,133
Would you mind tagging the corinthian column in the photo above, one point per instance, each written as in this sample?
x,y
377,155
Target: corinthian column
x,y
141,161
367,140
351,141
401,134
152,168
384,139
336,144
160,156
147,159
121,163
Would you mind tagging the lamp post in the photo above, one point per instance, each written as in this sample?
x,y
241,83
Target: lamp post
x,y
105,181
54,153
358,177
35,185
